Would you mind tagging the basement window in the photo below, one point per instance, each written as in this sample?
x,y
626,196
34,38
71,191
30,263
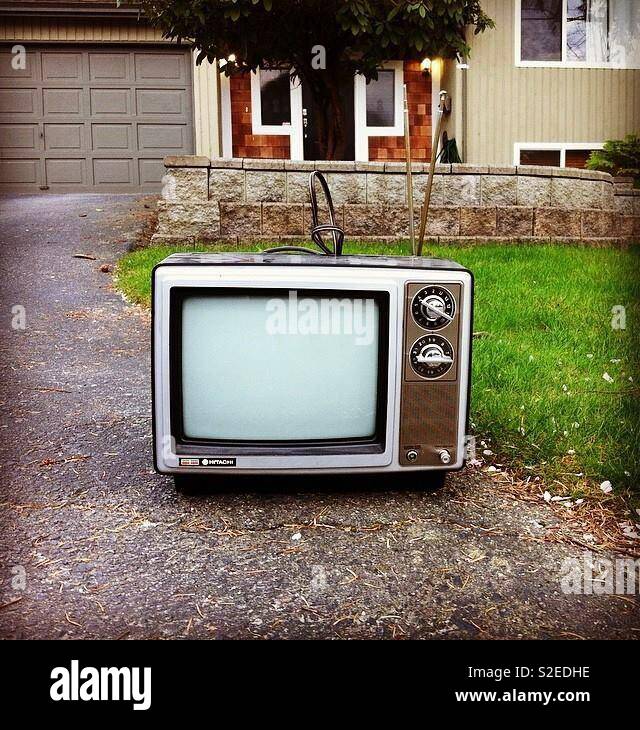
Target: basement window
x,y
555,154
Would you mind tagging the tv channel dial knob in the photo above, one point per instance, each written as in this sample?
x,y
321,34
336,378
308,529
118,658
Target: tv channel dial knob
x,y
431,356
433,307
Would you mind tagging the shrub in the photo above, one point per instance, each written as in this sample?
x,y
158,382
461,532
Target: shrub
x,y
619,157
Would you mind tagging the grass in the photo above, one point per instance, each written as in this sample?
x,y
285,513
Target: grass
x,y
539,398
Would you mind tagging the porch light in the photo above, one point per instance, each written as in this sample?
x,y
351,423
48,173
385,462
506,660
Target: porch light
x,y
425,65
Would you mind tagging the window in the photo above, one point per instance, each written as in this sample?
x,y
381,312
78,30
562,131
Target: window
x,y
378,106
552,154
577,158
271,98
547,158
275,97
276,107
575,33
541,32
381,100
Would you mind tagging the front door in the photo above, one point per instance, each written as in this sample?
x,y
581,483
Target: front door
x,y
314,146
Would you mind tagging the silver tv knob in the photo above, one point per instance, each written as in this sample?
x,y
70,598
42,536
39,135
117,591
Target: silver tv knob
x,y
445,456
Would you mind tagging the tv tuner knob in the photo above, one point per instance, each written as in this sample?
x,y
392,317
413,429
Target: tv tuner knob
x,y
411,455
433,307
431,356
445,456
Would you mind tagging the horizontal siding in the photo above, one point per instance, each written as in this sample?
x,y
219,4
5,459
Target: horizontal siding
x,y
77,31
507,104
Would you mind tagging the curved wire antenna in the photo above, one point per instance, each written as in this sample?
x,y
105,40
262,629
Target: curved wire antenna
x,y
319,229
291,249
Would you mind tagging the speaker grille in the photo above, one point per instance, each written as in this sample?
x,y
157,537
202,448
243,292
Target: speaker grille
x,y
429,414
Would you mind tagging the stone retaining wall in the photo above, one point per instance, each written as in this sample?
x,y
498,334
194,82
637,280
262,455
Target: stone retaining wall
x,y
208,201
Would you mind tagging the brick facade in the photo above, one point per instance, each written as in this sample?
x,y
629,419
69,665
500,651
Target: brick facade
x,y
245,143
264,146
419,102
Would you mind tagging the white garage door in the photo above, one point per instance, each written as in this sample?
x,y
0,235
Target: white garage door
x,y
93,119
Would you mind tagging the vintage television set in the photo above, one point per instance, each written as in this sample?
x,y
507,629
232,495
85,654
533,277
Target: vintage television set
x,y
274,363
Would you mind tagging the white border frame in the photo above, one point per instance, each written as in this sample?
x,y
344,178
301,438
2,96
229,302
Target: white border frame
x,y
293,130
257,126
562,147
362,132
554,64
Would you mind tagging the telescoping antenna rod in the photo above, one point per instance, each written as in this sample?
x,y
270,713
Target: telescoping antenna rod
x,y
407,150
443,108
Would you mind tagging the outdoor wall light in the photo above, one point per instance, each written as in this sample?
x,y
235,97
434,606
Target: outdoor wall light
x,y
425,66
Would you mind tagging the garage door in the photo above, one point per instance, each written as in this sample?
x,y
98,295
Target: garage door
x,y
93,119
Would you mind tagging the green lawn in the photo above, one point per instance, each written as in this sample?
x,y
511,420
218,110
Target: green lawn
x,y
544,342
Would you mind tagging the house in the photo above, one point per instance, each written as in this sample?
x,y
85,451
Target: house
x,y
93,99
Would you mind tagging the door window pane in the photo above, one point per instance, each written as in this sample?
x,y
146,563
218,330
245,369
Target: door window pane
x,y
541,30
275,97
549,158
381,102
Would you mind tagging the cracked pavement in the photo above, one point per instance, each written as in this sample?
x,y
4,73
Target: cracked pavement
x,y
94,544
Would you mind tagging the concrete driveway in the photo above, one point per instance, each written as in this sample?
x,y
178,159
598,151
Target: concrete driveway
x,y
94,544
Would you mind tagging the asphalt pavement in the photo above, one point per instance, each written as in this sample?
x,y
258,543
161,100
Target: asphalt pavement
x,y
94,544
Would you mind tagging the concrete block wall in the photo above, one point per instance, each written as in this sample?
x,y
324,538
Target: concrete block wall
x,y
236,200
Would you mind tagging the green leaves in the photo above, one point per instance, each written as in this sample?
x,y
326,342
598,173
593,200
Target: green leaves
x,y
359,35
619,156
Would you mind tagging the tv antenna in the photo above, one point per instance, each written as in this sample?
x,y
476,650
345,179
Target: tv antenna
x,y
319,230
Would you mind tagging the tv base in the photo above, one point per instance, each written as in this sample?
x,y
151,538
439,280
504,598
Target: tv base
x,y
430,481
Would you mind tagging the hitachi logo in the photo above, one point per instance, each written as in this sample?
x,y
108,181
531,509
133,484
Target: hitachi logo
x,y
105,683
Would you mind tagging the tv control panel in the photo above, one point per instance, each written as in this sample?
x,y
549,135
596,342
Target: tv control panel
x,y
430,378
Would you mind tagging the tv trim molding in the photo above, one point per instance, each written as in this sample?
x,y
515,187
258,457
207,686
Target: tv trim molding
x,y
239,200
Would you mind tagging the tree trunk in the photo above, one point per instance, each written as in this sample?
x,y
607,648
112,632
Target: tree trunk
x,y
330,112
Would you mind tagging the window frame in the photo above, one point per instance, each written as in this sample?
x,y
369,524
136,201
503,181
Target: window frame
x,y
293,129
362,131
564,63
562,147
257,126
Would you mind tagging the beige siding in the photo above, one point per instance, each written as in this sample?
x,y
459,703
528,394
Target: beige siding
x,y
77,31
206,90
506,104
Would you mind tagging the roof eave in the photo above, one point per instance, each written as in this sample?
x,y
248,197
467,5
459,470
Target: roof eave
x,y
69,12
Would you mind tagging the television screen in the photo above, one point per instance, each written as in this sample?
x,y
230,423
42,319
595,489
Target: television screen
x,y
280,365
